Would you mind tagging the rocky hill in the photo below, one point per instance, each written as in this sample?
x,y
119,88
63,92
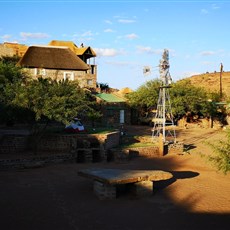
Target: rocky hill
x,y
211,81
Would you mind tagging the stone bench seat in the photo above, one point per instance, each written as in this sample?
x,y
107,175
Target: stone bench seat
x,y
140,181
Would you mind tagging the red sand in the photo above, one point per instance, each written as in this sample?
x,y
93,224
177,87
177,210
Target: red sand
x,y
55,197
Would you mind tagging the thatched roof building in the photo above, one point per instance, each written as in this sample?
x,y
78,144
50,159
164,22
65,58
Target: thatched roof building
x,y
68,44
84,52
13,49
52,57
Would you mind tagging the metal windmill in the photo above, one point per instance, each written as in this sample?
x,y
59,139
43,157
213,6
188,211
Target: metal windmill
x,y
163,122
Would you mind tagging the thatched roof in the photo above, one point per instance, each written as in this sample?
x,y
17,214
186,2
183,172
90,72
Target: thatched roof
x,y
52,57
87,51
17,49
69,44
125,90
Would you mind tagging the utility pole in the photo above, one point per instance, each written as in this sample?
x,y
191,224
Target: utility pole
x,y
164,116
221,70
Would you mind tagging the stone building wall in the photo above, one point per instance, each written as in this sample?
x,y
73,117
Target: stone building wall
x,y
85,79
111,114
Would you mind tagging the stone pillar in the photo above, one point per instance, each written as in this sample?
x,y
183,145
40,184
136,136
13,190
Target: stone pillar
x,y
88,155
104,191
142,188
161,145
103,154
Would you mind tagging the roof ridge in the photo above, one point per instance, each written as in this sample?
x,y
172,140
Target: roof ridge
x,y
48,46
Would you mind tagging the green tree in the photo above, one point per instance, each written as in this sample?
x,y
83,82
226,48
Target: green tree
x,y
10,59
187,98
51,100
146,96
103,86
11,79
10,73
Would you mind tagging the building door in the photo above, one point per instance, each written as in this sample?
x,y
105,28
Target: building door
x,y
122,116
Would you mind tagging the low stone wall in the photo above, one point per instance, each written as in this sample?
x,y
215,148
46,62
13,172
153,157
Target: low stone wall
x,y
144,151
176,148
126,154
13,143
111,140
56,144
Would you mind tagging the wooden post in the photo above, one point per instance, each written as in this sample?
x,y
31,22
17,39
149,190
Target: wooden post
x,y
221,70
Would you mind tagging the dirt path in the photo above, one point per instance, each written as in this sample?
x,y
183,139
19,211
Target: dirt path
x,y
54,197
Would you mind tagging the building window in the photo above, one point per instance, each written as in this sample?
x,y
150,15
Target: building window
x,y
92,69
69,76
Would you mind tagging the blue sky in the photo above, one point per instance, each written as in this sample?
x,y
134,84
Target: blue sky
x,y
128,35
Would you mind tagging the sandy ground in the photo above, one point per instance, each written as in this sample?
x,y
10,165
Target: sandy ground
x,y
55,197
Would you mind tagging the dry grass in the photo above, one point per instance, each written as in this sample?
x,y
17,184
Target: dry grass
x,y
211,81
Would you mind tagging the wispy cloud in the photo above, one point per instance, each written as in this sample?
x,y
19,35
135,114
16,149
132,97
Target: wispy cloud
x,y
219,53
148,50
207,53
119,63
5,37
108,22
211,8
206,63
126,21
131,36
215,7
28,35
107,52
85,36
109,31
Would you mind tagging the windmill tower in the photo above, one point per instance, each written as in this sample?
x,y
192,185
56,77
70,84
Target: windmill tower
x,y
163,122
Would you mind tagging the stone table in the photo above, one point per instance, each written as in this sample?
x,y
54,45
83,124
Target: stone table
x,y
140,181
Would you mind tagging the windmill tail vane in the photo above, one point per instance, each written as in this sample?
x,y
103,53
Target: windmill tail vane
x,y
146,70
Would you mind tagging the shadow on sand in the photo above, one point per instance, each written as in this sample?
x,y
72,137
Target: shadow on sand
x,y
176,175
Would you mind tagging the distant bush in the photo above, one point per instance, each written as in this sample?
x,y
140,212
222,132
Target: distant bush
x,y
221,155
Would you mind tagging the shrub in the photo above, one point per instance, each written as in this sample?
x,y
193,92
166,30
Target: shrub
x,y
221,155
